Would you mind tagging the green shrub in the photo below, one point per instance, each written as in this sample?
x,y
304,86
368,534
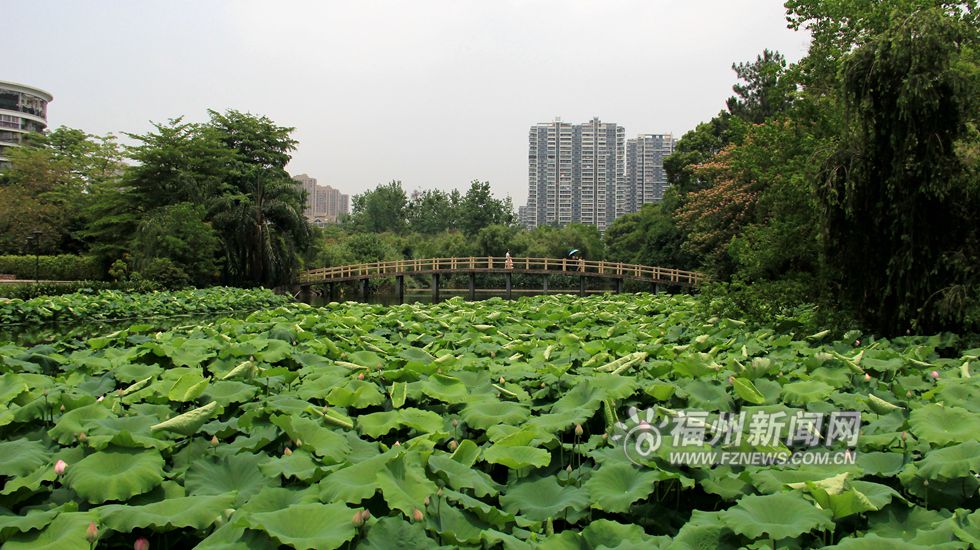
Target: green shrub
x,y
64,267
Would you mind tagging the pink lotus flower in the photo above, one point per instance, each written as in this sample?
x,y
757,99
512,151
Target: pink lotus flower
x,y
867,377
141,544
934,374
59,467
92,532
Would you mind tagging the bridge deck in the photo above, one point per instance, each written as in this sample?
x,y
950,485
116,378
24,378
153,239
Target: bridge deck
x,y
491,264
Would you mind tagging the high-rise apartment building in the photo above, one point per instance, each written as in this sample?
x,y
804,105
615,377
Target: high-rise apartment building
x,y
23,109
574,171
324,204
646,179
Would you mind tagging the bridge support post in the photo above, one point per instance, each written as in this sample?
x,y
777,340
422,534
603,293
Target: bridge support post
x,y
435,287
545,285
332,292
365,289
619,286
581,286
472,285
507,277
401,288
655,288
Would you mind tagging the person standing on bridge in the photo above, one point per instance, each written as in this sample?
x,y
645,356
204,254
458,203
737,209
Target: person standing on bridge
x,y
508,261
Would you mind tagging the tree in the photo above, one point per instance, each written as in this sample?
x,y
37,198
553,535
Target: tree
x,y
899,198
430,212
478,209
649,237
178,234
767,91
381,209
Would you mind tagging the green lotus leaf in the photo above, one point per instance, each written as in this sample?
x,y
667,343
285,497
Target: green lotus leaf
x,y
270,499
722,481
197,512
235,535
806,391
76,421
188,387
483,413
459,527
543,498
777,516
380,423
704,530
899,523
403,483
189,353
466,453
966,527
32,520
298,465
517,456
881,463
399,393
487,513
872,541
115,474
445,388
953,462
65,532
367,359
745,389
394,532
30,482
307,526
604,533
126,431
944,425
357,394
236,473
328,443
960,393
22,456
226,392
704,395
189,422
459,476
616,486
356,482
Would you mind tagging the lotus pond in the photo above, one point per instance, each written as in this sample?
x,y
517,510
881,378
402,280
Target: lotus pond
x,y
476,424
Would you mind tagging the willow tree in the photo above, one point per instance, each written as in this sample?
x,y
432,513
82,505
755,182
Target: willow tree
x,y
900,196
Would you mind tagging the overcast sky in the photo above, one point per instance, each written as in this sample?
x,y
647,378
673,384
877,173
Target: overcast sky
x,y
434,93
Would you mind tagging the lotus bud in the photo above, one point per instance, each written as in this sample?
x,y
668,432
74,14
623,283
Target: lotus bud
x,y
357,520
62,408
605,436
501,380
82,438
568,468
397,444
92,532
439,492
298,442
857,343
934,374
925,482
59,467
141,544
904,436
214,440
417,515
365,514
453,444
542,384
101,397
287,452
908,393
455,422
578,430
867,377
426,501
325,409
360,376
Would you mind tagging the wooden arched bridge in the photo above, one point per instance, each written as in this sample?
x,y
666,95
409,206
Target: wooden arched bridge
x,y
618,272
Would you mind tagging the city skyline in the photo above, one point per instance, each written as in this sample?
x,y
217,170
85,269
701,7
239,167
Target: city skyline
x,y
445,89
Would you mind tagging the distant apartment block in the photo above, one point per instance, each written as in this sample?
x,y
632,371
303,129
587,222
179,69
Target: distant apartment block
x,y
589,173
23,110
324,204
574,171
646,179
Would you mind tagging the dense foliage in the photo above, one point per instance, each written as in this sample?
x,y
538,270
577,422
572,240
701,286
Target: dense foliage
x,y
114,304
63,267
468,424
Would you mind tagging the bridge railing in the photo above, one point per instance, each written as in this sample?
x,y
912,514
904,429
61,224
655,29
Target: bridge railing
x,y
558,266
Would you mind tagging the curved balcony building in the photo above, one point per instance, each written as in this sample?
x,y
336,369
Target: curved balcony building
x,y
23,110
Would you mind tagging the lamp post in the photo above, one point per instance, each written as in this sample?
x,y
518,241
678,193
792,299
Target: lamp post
x,y
37,254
